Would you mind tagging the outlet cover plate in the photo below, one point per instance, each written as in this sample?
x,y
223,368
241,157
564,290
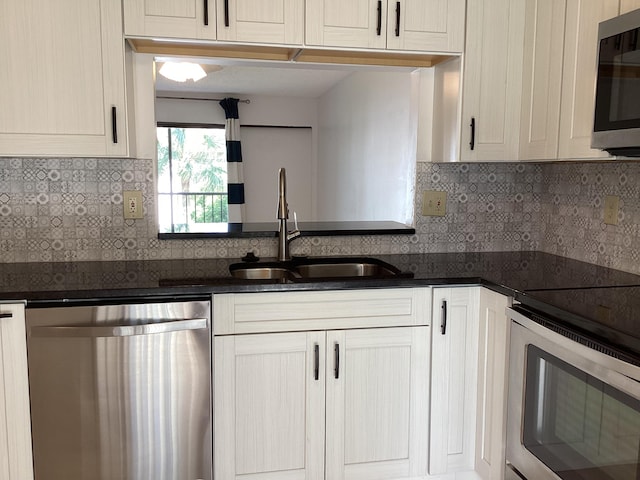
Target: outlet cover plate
x,y
611,207
434,203
132,204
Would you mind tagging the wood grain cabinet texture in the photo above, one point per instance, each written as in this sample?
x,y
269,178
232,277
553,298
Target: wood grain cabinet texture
x,y
16,461
63,78
193,19
248,21
493,351
454,379
323,403
431,26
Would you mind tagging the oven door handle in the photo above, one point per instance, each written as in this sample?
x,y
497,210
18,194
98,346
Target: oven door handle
x,y
119,330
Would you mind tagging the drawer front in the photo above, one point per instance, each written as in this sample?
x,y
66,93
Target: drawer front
x,y
320,310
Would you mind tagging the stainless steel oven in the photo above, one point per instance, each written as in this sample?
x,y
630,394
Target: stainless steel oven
x,y
573,405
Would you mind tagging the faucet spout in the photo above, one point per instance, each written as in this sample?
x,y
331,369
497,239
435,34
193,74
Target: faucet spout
x,y
284,236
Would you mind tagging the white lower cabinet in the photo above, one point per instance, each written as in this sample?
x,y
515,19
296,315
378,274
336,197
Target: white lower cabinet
x,y
316,404
15,423
493,355
454,354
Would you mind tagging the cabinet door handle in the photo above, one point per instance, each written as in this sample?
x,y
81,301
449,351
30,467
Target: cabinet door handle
x,y
114,124
6,315
206,12
316,361
379,27
472,143
443,323
226,13
397,19
336,360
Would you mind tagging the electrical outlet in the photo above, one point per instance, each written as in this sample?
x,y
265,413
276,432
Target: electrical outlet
x,y
611,207
434,203
132,201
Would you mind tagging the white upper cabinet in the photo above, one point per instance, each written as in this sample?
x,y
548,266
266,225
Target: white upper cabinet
x,y
542,78
16,461
194,19
261,21
62,78
417,25
492,80
579,76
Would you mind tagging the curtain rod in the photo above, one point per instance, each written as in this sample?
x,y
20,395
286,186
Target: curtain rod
x,y
247,101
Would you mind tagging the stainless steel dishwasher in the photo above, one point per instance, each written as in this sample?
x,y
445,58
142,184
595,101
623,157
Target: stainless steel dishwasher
x,y
121,392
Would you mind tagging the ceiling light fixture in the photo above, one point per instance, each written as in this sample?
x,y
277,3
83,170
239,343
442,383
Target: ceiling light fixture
x,y
182,71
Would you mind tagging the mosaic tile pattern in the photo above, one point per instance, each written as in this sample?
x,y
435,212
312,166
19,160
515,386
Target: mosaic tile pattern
x,y
66,210
573,213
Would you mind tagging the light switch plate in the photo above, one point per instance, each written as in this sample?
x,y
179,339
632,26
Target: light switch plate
x,y
434,203
132,204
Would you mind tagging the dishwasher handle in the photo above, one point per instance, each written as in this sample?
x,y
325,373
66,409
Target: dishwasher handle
x,y
119,330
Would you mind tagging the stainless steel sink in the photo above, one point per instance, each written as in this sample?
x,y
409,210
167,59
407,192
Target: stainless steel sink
x,y
262,272
317,268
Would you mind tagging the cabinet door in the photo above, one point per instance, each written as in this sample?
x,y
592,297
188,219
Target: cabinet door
x,y
579,76
628,5
492,385
16,461
434,25
377,390
62,79
192,19
269,406
261,21
356,23
492,80
542,79
454,355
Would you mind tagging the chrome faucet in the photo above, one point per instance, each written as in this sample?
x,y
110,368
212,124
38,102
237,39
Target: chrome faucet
x,y
284,237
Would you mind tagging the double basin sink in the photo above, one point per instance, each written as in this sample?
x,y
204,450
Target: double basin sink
x,y
303,268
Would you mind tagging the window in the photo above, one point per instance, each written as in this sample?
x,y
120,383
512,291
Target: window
x,y
192,178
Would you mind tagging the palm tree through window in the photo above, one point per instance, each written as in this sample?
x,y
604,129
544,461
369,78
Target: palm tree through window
x,y
192,178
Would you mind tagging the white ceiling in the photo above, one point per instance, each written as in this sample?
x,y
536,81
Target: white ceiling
x,y
271,78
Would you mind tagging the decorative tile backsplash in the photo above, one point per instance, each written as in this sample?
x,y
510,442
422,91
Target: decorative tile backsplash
x,y
71,210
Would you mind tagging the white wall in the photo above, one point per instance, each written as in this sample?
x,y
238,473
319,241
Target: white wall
x,y
367,147
264,150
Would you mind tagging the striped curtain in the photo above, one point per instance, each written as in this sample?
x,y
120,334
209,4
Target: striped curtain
x,y
235,178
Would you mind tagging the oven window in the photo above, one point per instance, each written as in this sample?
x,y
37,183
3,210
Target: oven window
x,y
578,426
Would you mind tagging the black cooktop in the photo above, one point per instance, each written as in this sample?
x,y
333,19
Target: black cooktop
x,y
608,314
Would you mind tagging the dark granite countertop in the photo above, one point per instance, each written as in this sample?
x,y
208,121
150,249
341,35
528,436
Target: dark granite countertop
x,y
601,302
511,273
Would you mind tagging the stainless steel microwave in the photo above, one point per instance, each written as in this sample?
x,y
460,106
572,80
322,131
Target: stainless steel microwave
x,y
616,126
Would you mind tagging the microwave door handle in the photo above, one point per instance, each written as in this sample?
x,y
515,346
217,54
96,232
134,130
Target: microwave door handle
x,y
115,331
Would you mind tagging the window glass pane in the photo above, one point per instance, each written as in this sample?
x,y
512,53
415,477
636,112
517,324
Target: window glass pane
x,y
192,179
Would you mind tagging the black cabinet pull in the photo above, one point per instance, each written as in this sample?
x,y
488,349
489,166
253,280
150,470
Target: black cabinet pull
x,y
443,323
226,13
397,19
472,143
6,315
114,124
379,27
206,12
336,359
316,361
